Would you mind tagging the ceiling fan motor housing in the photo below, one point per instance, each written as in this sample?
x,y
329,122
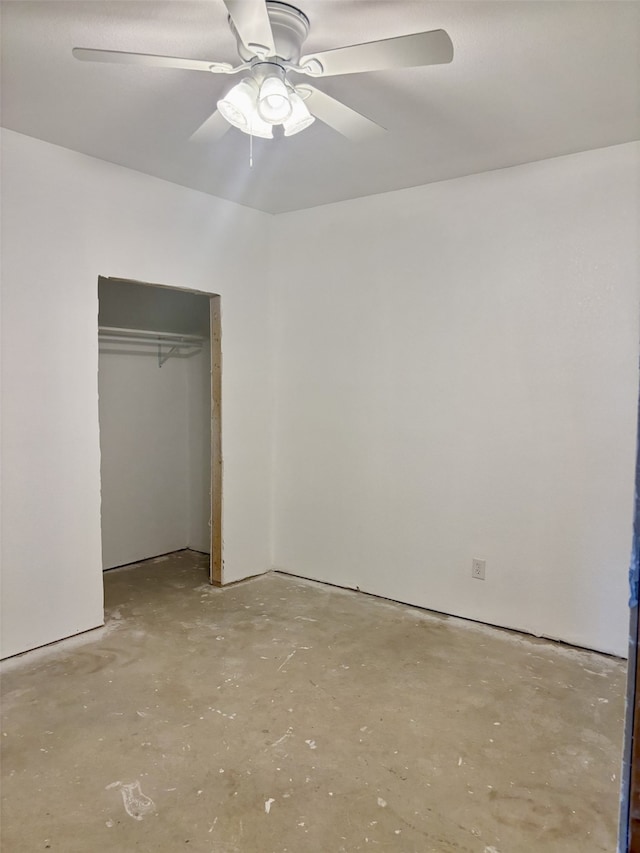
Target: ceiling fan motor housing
x,y
290,28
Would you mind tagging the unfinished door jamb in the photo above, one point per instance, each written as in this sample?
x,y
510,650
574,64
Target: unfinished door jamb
x,y
215,523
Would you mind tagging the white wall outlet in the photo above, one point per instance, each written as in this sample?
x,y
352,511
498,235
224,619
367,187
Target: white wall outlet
x,y
478,568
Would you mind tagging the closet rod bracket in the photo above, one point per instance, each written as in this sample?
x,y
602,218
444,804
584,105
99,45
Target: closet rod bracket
x,y
167,356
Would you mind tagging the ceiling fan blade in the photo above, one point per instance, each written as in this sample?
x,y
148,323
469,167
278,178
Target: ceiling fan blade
x,y
251,20
339,116
123,57
430,48
211,129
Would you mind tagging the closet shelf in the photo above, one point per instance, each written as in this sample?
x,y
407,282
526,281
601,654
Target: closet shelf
x,y
177,344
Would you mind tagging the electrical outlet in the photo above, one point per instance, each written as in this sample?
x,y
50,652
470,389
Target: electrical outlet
x,y
477,569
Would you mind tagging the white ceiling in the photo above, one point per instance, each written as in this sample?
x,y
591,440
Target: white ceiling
x,y
529,80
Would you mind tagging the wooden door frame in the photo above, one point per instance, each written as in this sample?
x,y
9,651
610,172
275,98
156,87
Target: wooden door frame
x,y
216,562
215,523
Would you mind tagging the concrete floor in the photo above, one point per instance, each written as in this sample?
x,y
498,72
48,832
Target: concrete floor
x,y
283,715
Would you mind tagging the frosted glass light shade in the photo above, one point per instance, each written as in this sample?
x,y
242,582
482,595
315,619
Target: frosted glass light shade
x,y
274,105
239,108
300,116
258,127
239,104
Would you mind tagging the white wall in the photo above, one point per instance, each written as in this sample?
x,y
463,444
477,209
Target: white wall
x,y
456,377
144,438
67,219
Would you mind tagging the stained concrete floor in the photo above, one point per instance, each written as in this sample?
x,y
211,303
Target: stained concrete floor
x,y
284,715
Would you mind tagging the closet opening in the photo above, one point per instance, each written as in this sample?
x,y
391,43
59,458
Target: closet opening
x,y
159,385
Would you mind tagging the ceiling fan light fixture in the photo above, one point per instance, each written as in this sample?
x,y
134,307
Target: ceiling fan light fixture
x,y
274,104
300,117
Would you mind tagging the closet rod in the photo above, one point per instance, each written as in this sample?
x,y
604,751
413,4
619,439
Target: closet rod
x,y
113,333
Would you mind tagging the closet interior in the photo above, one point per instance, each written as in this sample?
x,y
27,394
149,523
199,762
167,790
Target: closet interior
x,y
155,409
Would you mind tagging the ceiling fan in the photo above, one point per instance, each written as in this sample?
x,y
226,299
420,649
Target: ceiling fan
x,y
269,36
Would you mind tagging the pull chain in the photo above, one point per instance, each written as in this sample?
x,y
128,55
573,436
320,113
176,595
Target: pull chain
x,y
251,146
